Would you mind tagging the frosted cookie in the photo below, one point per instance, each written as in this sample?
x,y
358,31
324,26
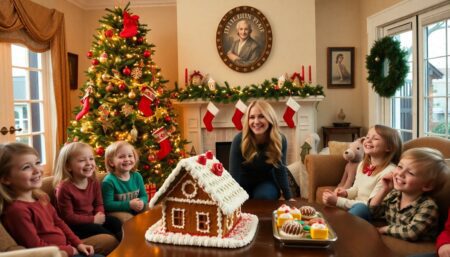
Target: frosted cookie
x,y
308,212
291,229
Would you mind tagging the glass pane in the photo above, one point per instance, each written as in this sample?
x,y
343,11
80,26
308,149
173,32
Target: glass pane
x,y
435,116
20,84
436,77
24,140
19,56
35,60
35,82
436,39
36,114
38,144
402,113
406,136
21,117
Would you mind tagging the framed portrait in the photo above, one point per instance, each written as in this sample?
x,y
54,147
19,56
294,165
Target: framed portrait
x,y
73,70
244,39
341,67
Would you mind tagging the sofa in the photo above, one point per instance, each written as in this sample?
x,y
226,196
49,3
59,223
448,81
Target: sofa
x,y
325,172
104,244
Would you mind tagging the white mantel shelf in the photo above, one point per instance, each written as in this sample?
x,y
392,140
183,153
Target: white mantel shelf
x,y
224,130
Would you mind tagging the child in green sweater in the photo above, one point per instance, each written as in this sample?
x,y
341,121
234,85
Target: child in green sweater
x,y
123,188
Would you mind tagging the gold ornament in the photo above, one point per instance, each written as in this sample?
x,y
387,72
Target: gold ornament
x,y
127,109
131,95
134,134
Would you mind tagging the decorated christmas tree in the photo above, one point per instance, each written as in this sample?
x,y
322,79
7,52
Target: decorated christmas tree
x,y
124,98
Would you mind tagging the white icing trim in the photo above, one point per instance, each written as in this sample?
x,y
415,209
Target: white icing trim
x,y
242,234
229,222
183,189
190,201
208,221
219,222
163,218
183,221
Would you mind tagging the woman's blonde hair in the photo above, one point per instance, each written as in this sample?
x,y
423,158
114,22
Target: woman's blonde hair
x,y
393,143
61,172
249,146
8,153
430,163
111,151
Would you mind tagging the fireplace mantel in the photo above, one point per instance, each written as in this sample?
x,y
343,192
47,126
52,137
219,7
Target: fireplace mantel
x,y
224,130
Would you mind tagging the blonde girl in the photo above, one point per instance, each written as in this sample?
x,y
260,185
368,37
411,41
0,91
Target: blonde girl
x,y
258,154
26,212
382,148
78,193
123,188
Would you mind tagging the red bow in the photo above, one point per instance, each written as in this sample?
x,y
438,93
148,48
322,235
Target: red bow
x,y
368,169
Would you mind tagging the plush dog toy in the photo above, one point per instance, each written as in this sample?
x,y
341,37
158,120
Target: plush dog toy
x,y
353,155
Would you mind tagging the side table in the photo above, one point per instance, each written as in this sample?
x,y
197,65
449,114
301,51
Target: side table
x,y
354,131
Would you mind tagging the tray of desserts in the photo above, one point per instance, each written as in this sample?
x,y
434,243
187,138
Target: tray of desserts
x,y
302,227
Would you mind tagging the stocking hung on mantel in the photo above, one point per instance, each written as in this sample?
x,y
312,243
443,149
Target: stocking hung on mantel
x,y
211,112
291,108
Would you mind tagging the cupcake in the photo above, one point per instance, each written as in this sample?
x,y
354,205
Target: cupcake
x,y
296,213
282,218
319,231
308,212
291,229
283,209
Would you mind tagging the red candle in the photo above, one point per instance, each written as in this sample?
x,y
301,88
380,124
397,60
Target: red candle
x,y
303,73
309,73
185,76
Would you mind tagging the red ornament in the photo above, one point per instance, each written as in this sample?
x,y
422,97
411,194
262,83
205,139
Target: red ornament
x,y
146,167
109,88
126,71
89,54
167,118
151,158
209,155
109,33
217,168
122,86
140,40
95,62
147,53
277,87
201,159
100,151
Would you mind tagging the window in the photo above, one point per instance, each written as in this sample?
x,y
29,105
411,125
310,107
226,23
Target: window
x,y
202,222
421,106
178,218
26,99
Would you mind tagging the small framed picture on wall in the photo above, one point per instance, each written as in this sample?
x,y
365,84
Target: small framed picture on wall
x,y
341,67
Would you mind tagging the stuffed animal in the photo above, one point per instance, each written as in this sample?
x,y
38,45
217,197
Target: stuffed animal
x,y
353,155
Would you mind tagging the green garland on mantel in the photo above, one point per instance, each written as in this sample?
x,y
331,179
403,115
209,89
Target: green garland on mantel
x,y
226,94
387,50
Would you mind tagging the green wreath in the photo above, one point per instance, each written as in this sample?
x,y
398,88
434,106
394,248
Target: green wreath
x,y
387,52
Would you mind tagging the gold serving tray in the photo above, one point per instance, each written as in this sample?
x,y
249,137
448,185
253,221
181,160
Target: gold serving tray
x,y
304,240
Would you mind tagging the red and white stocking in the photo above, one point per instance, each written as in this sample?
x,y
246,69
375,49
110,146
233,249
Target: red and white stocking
x,y
162,137
85,102
291,108
147,98
211,112
238,113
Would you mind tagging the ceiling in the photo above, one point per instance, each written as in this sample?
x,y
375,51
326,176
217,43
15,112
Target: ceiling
x,y
102,4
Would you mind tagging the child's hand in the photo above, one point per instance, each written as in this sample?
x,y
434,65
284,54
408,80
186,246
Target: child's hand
x,y
136,204
444,251
99,218
87,250
75,251
340,191
329,198
382,230
388,182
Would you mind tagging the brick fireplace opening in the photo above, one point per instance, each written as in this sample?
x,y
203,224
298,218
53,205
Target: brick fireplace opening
x,y
223,153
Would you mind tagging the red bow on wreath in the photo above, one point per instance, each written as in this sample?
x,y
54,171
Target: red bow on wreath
x,y
130,25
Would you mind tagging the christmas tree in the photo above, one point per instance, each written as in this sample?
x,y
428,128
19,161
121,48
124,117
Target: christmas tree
x,y
124,98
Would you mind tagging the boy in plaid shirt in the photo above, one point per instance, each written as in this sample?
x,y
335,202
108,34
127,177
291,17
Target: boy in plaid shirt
x,y
410,213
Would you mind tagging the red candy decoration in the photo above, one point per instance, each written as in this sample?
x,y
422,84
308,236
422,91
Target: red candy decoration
x,y
217,168
209,155
146,167
122,86
201,159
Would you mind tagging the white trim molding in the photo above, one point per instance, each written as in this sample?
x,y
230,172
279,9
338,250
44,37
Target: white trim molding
x,y
102,4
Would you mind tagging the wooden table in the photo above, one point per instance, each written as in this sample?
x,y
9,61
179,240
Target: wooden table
x,y
356,237
351,130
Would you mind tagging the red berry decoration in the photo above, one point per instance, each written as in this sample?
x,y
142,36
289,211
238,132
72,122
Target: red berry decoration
x,y
201,159
89,54
95,62
100,151
147,53
109,33
122,86
126,71
217,169
209,155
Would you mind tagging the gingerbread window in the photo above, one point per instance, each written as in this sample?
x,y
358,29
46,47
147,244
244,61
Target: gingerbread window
x,y
178,218
203,222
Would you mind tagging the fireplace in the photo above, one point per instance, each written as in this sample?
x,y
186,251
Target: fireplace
x,y
224,130
223,153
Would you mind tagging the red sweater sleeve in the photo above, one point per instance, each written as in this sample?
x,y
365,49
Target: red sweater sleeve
x,y
74,206
98,200
444,236
34,225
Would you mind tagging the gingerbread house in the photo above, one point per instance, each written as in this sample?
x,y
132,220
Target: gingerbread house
x,y
200,202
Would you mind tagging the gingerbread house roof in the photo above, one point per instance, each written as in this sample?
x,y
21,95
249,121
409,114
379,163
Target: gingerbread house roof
x,y
223,189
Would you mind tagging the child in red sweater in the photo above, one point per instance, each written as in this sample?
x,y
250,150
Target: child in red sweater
x,y
25,211
79,194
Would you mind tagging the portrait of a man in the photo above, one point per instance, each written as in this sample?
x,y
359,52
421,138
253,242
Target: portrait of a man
x,y
244,50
